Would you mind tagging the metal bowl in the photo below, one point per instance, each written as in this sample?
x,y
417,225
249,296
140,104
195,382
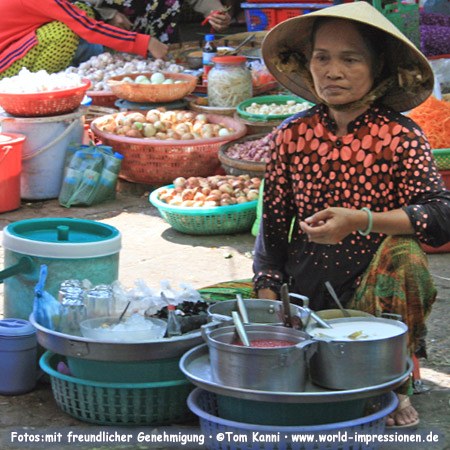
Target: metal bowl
x,y
80,347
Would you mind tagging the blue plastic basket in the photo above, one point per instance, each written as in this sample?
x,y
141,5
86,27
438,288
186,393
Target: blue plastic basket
x,y
204,405
125,404
205,221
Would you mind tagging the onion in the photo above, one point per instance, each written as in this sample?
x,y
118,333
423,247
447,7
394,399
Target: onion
x,y
227,188
179,181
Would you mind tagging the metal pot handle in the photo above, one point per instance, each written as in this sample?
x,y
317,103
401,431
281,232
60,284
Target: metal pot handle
x,y
310,347
392,316
208,327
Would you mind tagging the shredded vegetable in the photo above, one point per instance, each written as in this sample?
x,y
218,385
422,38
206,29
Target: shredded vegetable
x,y
433,116
229,87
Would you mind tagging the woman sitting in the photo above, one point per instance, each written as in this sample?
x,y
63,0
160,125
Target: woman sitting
x,y
351,184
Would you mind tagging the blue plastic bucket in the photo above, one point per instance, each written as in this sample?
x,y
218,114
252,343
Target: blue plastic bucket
x,y
71,248
18,356
44,150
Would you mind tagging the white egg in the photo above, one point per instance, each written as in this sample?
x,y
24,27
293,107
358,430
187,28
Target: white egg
x,y
157,78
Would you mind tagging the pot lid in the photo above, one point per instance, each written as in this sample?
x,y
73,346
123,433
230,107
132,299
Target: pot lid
x,y
16,327
62,238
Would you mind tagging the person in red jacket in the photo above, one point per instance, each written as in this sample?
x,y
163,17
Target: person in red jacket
x,y
46,35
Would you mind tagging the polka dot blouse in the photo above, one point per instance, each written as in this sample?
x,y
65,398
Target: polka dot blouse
x,y
383,163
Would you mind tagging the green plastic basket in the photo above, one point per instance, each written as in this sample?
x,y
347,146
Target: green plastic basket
x,y
216,220
442,158
267,99
166,369
125,404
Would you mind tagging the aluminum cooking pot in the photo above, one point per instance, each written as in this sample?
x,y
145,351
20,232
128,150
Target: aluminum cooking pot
x,y
344,362
280,369
260,311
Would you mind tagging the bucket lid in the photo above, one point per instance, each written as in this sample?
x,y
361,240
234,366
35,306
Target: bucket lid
x,y
62,238
16,327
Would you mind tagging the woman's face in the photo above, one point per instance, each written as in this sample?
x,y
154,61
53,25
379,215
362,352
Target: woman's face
x,y
341,64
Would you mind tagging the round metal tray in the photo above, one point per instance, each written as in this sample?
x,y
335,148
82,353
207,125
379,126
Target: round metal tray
x,y
80,347
196,366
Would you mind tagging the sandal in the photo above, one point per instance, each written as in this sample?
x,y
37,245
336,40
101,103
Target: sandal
x,y
404,403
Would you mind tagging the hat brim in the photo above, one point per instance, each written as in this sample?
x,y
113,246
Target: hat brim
x,y
294,35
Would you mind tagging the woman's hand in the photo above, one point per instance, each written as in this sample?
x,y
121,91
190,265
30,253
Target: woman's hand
x,y
220,22
331,225
157,49
119,20
267,294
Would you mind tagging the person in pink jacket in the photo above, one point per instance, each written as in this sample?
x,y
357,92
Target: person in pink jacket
x,y
46,34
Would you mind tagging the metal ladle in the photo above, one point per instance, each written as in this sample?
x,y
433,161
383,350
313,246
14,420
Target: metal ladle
x,y
242,308
336,299
235,51
240,328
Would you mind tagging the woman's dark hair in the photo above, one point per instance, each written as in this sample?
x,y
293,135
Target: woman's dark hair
x,y
373,38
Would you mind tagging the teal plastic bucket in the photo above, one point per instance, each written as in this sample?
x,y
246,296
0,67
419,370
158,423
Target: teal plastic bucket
x,y
71,248
44,150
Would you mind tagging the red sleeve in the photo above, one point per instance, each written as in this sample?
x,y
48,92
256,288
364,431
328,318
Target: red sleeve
x,y
92,30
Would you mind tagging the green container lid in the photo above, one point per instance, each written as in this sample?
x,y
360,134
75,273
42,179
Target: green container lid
x,y
267,100
62,238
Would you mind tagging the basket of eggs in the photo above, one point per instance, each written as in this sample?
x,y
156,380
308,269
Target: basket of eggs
x,y
161,145
218,204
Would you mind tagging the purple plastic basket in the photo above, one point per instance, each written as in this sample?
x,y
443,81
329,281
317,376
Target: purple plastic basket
x,y
203,404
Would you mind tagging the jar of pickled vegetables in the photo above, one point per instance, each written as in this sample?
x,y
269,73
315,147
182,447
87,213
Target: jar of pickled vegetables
x,y
229,81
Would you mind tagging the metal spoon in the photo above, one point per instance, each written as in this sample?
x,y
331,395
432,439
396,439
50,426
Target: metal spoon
x,y
242,308
240,328
123,313
235,51
336,299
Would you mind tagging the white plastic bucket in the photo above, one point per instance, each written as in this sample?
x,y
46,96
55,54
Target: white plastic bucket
x,y
44,150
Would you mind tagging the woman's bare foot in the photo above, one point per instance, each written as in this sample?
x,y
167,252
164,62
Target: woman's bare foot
x,y
405,415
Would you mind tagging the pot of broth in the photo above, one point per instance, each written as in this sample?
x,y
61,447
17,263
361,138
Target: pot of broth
x,y
358,352
275,361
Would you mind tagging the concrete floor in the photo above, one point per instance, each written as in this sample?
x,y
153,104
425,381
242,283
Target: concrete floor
x,y
153,251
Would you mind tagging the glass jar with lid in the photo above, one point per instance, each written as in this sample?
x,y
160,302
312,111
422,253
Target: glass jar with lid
x,y
229,81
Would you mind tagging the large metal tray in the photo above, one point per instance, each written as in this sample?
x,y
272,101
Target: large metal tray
x,y
80,347
196,366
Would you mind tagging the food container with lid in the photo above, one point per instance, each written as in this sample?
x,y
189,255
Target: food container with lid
x,y
358,352
71,248
229,81
18,346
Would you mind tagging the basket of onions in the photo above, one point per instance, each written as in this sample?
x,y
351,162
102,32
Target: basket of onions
x,y
246,155
218,204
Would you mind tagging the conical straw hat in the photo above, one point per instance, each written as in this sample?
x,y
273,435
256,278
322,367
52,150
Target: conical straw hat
x,y
293,37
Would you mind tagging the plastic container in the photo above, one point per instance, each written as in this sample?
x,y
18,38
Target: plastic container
x,y
18,356
166,369
71,248
44,150
46,103
10,169
204,405
229,81
264,17
267,100
127,404
205,221
159,162
106,329
442,158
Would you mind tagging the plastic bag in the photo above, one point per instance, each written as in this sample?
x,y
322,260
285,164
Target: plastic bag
x,y
90,175
46,308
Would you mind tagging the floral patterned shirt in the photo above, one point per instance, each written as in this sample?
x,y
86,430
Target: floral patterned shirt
x,y
384,162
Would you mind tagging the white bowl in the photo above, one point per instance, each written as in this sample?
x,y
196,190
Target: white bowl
x,y
129,330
